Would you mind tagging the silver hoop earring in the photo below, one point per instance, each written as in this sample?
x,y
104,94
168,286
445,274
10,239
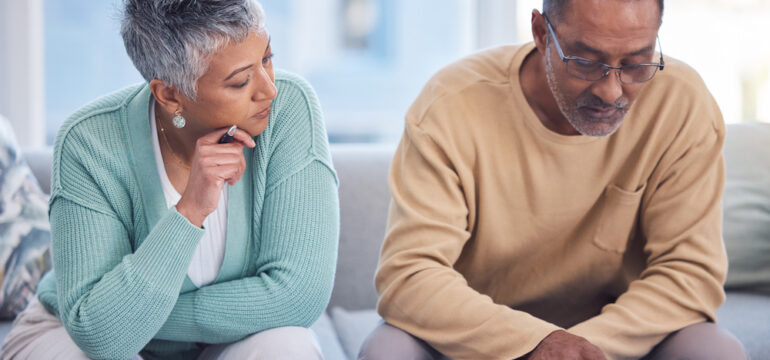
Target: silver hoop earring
x,y
179,121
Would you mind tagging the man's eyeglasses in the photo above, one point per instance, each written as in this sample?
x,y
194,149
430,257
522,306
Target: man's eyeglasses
x,y
591,70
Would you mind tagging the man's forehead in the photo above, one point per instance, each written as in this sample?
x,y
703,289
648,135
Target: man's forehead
x,y
611,15
619,28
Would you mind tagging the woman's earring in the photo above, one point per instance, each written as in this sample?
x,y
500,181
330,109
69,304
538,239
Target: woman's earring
x,y
179,120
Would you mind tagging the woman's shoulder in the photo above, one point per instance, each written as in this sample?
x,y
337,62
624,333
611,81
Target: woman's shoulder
x,y
103,111
297,132
93,141
287,80
297,114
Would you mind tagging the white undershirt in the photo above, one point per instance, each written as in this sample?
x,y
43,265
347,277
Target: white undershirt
x,y
210,252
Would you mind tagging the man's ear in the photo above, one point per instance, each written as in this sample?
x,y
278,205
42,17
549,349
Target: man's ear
x,y
166,96
539,31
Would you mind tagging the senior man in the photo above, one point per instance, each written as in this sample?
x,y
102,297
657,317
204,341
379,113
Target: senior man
x,y
527,222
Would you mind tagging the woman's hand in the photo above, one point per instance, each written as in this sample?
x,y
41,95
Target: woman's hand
x,y
213,165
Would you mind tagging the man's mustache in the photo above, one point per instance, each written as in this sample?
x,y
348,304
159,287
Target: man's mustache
x,y
593,101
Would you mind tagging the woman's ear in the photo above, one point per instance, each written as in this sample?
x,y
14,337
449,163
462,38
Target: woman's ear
x,y
539,31
166,96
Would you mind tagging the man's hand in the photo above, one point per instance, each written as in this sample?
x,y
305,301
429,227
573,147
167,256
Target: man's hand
x,y
561,345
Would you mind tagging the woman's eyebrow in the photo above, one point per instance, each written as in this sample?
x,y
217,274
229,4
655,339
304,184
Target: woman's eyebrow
x,y
237,71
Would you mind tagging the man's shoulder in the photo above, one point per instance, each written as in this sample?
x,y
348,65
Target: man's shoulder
x,y
676,107
675,94
486,70
678,75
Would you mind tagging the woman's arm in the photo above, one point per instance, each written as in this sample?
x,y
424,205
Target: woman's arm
x,y
113,301
295,269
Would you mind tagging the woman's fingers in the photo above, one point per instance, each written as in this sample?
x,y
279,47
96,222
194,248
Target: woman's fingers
x,y
214,164
244,138
240,136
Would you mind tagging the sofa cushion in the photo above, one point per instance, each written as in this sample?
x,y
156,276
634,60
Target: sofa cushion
x,y
353,327
364,201
747,206
747,316
24,230
327,338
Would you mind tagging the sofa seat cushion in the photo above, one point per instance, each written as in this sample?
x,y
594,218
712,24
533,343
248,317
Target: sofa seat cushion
x,y
747,316
327,338
353,327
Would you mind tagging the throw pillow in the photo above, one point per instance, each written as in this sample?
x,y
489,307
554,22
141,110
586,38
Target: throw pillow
x,y
24,229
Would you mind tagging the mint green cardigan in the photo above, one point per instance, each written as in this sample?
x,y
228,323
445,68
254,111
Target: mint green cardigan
x,y
121,256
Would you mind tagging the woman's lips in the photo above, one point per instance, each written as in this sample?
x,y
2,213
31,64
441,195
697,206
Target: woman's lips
x,y
262,114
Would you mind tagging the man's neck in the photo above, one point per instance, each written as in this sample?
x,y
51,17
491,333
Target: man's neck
x,y
534,85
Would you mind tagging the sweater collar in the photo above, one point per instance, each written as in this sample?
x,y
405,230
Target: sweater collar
x,y
239,209
142,156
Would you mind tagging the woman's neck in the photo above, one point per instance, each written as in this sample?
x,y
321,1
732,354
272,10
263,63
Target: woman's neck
x,y
179,142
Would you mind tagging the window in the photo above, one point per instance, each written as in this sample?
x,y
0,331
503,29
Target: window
x,y
84,57
368,59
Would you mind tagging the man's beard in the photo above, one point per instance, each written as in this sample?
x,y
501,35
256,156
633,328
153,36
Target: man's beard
x,y
584,123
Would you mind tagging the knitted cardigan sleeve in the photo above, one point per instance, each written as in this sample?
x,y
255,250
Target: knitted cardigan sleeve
x,y
297,252
295,270
111,300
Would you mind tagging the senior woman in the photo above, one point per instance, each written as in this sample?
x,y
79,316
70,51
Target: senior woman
x,y
169,244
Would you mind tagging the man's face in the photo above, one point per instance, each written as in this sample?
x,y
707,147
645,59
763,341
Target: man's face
x,y
614,32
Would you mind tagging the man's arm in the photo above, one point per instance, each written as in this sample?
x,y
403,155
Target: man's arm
x,y
420,292
686,261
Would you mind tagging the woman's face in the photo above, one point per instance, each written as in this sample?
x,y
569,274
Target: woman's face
x,y
237,89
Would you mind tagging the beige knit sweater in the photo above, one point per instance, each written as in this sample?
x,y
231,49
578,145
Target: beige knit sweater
x,y
502,231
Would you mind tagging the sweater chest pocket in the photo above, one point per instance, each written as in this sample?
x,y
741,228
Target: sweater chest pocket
x,y
618,218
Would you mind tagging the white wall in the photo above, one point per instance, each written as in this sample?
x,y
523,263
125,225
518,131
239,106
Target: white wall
x,y
21,69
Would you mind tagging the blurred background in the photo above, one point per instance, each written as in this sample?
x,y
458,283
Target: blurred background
x,y
367,59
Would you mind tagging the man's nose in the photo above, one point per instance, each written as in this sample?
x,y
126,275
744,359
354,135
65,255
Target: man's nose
x,y
609,89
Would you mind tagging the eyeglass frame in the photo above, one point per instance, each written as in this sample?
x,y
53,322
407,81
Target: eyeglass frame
x,y
606,69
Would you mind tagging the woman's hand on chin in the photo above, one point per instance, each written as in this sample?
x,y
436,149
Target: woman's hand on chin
x,y
213,165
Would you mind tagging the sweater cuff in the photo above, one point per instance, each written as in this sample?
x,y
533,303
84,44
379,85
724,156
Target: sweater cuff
x,y
538,331
167,250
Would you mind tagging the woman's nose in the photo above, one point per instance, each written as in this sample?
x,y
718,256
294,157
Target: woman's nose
x,y
265,89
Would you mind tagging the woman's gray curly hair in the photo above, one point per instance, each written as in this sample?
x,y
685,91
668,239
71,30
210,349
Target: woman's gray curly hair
x,y
173,40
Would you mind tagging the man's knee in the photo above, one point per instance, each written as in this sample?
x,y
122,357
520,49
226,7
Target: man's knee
x,y
390,342
700,341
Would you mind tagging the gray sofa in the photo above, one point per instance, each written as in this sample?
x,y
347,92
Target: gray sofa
x,y
364,200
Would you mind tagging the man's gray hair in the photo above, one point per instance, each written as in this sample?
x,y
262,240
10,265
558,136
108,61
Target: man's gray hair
x,y
555,9
173,40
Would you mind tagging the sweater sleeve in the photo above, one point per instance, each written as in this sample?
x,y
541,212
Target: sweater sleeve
x,y
111,300
686,261
295,268
420,291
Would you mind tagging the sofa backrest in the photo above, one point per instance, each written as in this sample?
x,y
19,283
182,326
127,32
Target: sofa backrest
x,y
39,161
364,201
746,206
365,197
